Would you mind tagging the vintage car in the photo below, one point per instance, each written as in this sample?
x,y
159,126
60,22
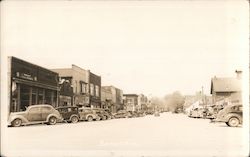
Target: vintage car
x,y
69,113
35,114
87,114
149,112
122,114
102,113
196,113
231,115
157,114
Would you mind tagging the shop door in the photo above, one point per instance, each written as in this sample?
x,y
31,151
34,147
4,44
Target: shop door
x,y
24,97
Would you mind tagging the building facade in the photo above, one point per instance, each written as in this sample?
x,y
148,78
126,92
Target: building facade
x,y
31,84
112,98
131,102
106,98
226,90
95,90
142,102
86,85
66,93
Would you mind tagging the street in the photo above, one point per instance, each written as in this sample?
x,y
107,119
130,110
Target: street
x,y
167,135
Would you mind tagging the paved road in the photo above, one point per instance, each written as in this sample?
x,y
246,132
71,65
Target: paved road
x,y
167,135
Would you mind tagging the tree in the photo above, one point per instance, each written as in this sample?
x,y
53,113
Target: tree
x,y
156,102
175,101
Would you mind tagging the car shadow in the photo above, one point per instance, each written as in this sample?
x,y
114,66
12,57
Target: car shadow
x,y
225,126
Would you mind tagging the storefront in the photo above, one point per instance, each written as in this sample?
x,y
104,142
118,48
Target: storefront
x,y
31,85
66,93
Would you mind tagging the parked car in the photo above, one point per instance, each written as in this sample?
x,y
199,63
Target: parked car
x,y
35,114
102,113
149,112
87,114
196,113
217,109
69,113
231,115
141,113
156,114
122,114
137,113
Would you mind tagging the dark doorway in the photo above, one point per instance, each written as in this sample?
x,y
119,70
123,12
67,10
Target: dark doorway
x,y
24,97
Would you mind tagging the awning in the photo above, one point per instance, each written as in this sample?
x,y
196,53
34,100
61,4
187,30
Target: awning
x,y
36,84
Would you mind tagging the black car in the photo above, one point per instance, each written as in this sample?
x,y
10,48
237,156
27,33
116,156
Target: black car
x,y
102,114
69,113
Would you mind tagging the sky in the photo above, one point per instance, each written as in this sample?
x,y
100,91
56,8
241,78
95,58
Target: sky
x,y
154,48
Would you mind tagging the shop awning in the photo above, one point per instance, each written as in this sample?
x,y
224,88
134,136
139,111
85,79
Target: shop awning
x,y
36,84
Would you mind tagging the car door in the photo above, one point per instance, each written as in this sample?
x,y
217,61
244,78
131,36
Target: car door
x,y
64,113
119,114
45,112
34,114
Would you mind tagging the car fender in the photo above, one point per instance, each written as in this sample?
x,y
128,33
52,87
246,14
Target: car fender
x,y
74,115
230,115
87,116
24,120
52,115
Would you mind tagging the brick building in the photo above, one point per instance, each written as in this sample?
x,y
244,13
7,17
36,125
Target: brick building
x,y
86,85
31,84
131,102
112,97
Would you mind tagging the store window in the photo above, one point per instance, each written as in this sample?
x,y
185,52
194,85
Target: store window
x,y
97,91
15,87
54,95
48,97
92,89
40,96
34,96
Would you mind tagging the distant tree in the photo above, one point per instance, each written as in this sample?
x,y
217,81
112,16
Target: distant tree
x,y
175,101
156,102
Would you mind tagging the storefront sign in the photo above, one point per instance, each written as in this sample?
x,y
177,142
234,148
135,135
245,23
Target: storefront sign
x,y
26,76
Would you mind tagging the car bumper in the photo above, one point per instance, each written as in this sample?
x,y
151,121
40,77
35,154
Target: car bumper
x,y
60,119
9,123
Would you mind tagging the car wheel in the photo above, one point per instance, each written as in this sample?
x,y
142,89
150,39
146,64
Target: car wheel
x,y
17,122
233,122
74,119
52,120
98,118
90,118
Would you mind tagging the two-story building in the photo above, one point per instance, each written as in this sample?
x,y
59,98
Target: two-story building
x,y
131,102
31,84
113,98
86,85
66,93
106,98
142,102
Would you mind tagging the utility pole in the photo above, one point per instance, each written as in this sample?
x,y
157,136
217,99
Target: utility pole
x,y
202,95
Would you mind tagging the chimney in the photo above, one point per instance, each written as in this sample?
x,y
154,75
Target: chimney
x,y
238,74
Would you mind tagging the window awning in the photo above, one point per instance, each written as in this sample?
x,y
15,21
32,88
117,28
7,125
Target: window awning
x,y
36,84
